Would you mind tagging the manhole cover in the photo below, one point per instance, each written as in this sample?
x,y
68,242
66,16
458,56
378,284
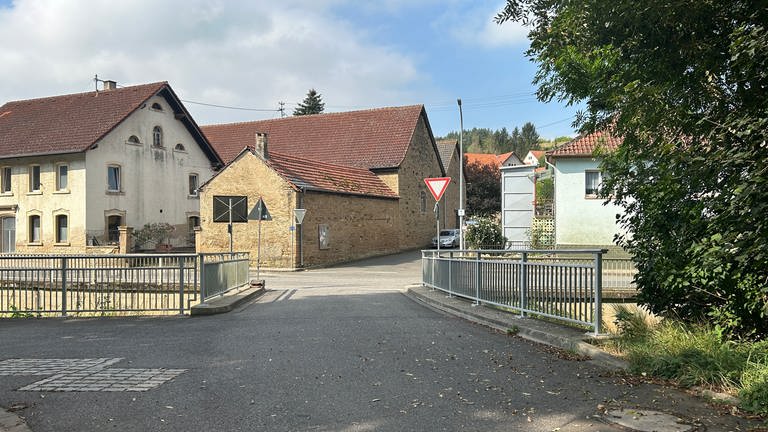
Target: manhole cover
x,y
647,421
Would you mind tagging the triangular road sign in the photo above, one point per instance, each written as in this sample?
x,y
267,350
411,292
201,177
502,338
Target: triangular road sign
x,y
260,212
437,186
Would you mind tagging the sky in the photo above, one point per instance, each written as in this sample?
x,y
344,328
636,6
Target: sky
x,y
250,55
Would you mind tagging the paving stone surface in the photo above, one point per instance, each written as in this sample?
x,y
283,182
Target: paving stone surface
x,y
86,375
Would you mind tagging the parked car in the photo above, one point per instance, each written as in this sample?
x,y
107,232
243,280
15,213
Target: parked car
x,y
449,238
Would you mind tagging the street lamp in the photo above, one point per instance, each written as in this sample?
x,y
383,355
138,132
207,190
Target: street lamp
x,y
461,176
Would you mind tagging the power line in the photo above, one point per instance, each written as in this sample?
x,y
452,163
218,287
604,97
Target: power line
x,y
231,107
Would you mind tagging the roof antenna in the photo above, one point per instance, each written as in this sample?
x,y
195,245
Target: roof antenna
x,y
96,82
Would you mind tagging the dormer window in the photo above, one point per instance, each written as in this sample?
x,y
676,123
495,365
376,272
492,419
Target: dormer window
x,y
157,136
179,147
133,139
157,107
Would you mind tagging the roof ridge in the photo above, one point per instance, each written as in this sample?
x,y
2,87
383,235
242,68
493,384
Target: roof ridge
x,y
92,92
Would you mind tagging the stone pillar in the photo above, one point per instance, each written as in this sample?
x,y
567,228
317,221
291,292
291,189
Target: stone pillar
x,y
125,244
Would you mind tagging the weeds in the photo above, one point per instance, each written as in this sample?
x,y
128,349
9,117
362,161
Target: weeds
x,y
695,355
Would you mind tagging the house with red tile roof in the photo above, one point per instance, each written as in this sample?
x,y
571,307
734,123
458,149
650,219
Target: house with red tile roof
x,y
533,156
359,177
74,168
505,159
581,217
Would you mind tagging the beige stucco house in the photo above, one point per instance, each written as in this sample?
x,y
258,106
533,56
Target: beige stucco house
x,y
358,175
74,168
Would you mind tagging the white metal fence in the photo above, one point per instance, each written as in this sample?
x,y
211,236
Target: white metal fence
x,y
562,285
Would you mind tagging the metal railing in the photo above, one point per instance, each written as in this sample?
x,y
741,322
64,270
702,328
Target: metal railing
x,y
543,283
86,285
223,272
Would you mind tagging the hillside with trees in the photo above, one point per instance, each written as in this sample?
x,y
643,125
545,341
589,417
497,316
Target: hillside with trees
x,y
520,140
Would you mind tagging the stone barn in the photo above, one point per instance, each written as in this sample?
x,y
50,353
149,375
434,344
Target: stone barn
x,y
357,176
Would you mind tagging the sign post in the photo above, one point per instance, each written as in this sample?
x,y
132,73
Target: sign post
x,y
437,186
259,213
298,214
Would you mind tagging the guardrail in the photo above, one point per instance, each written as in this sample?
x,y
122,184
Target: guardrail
x,y
62,285
543,283
222,272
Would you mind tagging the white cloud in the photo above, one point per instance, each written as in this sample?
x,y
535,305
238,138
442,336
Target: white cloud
x,y
244,53
475,25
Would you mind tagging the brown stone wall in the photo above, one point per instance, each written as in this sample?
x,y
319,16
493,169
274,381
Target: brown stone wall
x,y
421,161
357,227
251,177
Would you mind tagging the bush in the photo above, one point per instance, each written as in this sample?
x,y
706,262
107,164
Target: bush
x,y
154,233
486,232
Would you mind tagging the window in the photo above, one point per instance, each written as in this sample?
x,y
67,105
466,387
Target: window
x,y
423,202
62,229
157,136
592,180
6,180
34,178
62,173
34,229
193,185
113,224
192,223
113,178
8,229
157,107
179,147
133,139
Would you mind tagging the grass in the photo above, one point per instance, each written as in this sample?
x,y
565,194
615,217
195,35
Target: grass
x,y
694,355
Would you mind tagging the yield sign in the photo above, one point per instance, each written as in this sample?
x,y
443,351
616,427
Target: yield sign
x,y
437,186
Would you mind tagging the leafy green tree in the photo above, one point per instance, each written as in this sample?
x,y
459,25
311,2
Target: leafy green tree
x,y
312,104
483,188
684,83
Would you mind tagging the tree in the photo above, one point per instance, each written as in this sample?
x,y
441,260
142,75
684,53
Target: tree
x,y
529,139
483,188
312,104
684,83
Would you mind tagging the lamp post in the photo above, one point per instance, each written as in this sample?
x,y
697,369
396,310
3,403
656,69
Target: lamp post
x,y
461,177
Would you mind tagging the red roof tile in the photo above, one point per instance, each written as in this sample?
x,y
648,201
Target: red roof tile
x,y
370,139
482,158
69,123
585,145
314,175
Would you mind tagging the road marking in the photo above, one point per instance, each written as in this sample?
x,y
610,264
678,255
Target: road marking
x,y
81,375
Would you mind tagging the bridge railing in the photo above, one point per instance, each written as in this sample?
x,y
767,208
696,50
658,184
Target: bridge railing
x,y
558,284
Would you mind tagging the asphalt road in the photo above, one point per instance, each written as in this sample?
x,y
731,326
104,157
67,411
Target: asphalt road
x,y
337,349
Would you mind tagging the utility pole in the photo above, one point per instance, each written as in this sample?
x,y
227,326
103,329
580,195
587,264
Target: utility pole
x,y
461,177
282,109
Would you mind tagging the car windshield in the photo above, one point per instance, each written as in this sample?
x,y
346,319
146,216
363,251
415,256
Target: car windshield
x,y
446,233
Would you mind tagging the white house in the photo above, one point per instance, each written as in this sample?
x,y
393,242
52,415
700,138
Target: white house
x,y
74,168
581,217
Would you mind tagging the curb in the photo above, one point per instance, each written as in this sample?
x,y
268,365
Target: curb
x,y
227,302
10,422
534,330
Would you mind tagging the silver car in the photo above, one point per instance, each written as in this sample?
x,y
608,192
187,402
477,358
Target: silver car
x,y
449,238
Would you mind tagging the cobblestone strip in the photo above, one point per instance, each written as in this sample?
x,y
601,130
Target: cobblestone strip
x,y
81,375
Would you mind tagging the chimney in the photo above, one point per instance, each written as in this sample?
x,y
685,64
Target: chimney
x,y
261,145
109,85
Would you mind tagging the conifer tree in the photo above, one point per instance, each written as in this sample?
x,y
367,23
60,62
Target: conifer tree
x,y
312,104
